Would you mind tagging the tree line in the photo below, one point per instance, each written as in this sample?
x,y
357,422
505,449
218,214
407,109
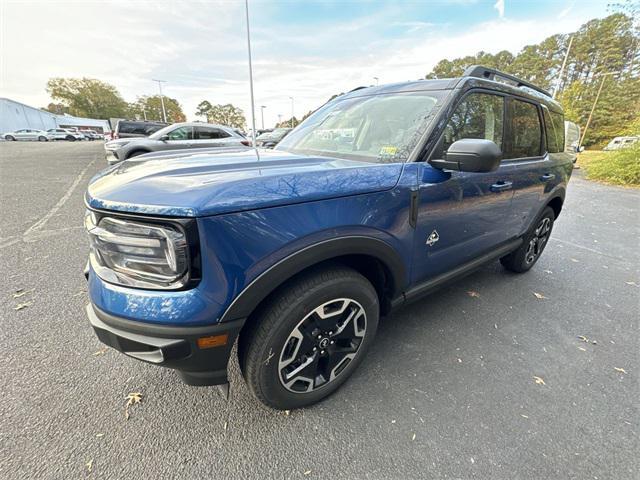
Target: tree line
x,y
88,97
602,50
601,53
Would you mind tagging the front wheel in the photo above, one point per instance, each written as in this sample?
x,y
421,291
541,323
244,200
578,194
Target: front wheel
x,y
71,138
10,138
533,244
42,139
310,338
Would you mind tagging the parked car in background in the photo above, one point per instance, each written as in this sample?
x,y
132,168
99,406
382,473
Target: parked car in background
x,y
134,128
379,197
174,137
572,138
619,143
91,134
271,139
28,134
65,134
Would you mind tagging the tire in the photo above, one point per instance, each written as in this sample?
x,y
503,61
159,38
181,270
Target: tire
x,y
534,242
326,318
10,138
71,138
42,139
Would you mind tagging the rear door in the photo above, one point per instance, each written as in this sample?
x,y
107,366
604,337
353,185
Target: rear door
x,y
205,136
462,215
527,161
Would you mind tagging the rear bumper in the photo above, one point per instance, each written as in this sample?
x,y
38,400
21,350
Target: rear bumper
x,y
199,354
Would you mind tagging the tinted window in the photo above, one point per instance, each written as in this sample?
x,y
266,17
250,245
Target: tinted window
x,y
181,133
552,135
479,115
206,133
138,128
526,132
558,124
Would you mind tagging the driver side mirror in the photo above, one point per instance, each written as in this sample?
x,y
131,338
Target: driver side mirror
x,y
470,155
164,138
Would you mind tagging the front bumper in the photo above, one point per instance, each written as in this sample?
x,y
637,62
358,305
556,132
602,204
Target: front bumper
x,y
111,157
199,354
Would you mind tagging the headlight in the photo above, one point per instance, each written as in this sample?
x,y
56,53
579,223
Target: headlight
x,y
138,254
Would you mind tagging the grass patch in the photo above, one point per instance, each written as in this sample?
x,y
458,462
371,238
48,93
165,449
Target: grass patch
x,y
620,167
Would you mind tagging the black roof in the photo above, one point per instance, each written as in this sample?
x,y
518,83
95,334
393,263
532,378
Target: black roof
x,y
476,76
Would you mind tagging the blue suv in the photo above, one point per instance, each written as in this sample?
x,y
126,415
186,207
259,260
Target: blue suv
x,y
379,197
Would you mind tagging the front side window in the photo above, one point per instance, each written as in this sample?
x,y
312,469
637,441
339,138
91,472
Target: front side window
x,y
479,115
204,133
181,133
381,128
526,132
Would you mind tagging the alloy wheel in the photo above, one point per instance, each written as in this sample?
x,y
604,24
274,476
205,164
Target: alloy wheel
x,y
322,345
538,241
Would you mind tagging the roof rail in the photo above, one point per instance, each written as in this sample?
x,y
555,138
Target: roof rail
x,y
479,71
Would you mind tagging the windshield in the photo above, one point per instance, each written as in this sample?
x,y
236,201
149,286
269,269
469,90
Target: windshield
x,y
277,133
381,128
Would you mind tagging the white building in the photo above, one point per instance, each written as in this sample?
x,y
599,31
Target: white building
x,y
15,116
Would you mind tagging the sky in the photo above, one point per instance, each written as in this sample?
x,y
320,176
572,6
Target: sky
x,y
305,49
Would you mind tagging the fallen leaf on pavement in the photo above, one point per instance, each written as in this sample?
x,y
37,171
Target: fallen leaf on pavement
x,y
287,412
539,296
583,338
89,465
20,306
102,351
628,283
583,349
308,472
547,271
21,292
539,381
132,399
523,415
574,260
414,437
474,294
99,435
618,369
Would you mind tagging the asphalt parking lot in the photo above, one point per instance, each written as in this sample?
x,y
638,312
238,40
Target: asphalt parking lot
x,y
483,379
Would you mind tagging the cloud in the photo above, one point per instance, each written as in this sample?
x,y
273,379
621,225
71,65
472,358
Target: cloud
x,y
204,56
499,6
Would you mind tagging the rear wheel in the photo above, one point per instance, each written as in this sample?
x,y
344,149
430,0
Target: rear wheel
x,y
10,138
533,244
42,139
71,138
309,338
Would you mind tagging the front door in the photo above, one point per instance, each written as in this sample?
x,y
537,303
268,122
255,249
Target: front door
x,y
181,137
462,215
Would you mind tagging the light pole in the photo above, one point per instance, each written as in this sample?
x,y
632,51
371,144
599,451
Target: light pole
x,y
253,107
595,102
262,107
291,111
564,64
279,118
376,79
164,112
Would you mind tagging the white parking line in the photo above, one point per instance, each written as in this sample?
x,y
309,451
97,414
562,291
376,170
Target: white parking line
x,y
35,228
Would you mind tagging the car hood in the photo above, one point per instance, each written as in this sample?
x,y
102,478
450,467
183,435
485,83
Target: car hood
x,y
211,184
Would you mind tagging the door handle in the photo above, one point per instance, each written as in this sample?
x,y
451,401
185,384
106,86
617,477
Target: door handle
x,y
547,176
501,186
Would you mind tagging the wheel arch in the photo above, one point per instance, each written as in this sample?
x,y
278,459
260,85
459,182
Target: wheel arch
x,y
139,151
556,201
375,259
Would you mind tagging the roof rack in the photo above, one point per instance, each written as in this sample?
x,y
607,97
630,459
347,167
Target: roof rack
x,y
479,71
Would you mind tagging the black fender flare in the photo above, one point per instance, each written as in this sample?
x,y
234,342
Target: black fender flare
x,y
263,285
